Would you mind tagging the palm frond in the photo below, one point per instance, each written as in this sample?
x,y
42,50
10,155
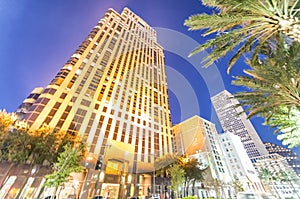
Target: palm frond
x,y
258,21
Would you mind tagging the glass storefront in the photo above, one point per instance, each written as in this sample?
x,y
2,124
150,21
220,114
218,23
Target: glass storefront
x,y
110,191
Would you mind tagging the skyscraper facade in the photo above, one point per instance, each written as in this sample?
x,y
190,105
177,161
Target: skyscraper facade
x,y
113,92
291,157
239,163
198,138
27,103
277,165
233,119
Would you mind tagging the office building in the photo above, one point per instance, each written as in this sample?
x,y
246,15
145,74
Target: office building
x,y
240,164
233,119
113,92
270,168
197,138
23,109
291,157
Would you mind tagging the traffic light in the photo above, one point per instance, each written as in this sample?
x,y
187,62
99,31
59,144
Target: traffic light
x,y
98,164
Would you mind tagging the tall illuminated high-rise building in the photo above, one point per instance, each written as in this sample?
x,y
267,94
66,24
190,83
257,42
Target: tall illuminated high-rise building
x,y
113,91
234,120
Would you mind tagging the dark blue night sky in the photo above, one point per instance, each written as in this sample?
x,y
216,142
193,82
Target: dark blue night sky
x,y
38,37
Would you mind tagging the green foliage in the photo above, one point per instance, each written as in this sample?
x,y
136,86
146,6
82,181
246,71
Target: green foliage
x,y
38,146
244,26
181,169
190,197
162,164
18,146
237,185
191,168
177,176
269,32
274,91
6,120
42,145
69,161
192,171
266,175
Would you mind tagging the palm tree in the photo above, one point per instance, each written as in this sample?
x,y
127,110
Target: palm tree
x,y
270,31
237,185
274,91
245,25
269,178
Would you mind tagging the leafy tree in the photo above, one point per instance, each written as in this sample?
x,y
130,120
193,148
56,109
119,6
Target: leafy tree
x,y
192,171
69,161
17,146
162,164
48,143
245,25
189,166
177,177
6,120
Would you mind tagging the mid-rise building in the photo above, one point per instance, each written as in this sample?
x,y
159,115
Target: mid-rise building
x,y
198,138
113,92
233,118
240,164
291,157
277,176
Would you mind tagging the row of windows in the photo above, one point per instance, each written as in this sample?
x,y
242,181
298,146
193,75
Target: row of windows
x,y
136,58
